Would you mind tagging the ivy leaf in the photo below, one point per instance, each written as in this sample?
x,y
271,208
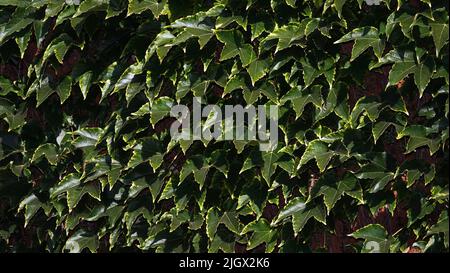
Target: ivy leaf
x,y
319,151
291,3
379,128
160,108
270,159
423,73
229,219
405,64
311,25
310,73
439,32
219,160
143,151
295,205
81,240
378,174
48,150
332,191
254,159
223,241
22,43
157,7
68,182
75,194
31,204
371,232
301,97
400,70
374,234
287,35
441,227
405,20
44,90
233,41
364,38
87,137
161,45
301,212
247,55
16,24
58,47
257,69
90,5
197,167
64,89
339,4
261,233
364,105
236,82
254,193
418,136
300,218
212,222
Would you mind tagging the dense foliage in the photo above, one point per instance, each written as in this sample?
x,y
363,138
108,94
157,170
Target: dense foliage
x,y
86,158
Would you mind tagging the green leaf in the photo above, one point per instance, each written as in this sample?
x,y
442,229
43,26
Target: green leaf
x,y
301,212
43,92
319,151
423,73
291,3
230,220
17,23
75,194
160,108
441,227
367,106
372,232
257,69
300,218
212,222
247,55
81,240
294,206
440,35
379,128
219,161
157,7
31,204
236,82
64,89
378,174
233,41
339,4
301,97
311,25
310,73
261,233
287,35
49,151
144,151
87,137
400,70
333,190
364,38
68,182
270,163
22,43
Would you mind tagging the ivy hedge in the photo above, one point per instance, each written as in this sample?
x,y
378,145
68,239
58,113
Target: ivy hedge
x,y
86,158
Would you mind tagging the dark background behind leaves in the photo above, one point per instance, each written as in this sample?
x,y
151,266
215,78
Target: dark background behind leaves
x,y
86,159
